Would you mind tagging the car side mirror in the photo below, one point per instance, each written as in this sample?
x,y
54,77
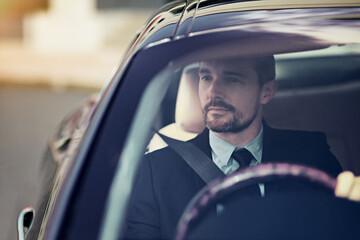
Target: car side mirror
x,y
72,128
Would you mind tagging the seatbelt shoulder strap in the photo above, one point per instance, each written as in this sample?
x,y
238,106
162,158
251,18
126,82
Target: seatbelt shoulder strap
x,y
195,158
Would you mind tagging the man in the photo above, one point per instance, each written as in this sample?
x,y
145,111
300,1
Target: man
x,y
232,94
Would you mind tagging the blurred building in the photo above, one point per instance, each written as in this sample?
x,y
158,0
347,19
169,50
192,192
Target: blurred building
x,y
86,25
67,42
12,12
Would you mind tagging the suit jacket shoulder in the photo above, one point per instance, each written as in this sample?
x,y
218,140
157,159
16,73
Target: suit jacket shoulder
x,y
164,186
167,155
299,147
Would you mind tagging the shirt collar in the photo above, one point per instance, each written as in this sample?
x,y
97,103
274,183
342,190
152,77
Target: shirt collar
x,y
223,149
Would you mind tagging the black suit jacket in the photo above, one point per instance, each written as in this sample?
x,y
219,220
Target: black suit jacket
x,y
166,183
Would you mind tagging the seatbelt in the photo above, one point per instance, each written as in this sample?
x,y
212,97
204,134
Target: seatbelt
x,y
195,158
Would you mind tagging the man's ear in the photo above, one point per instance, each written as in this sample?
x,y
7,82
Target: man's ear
x,y
268,91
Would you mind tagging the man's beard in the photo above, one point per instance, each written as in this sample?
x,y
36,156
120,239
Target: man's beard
x,y
237,123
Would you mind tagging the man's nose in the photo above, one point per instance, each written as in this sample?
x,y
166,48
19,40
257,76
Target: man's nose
x,y
216,88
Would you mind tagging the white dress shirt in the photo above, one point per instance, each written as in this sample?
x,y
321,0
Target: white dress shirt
x,y
222,150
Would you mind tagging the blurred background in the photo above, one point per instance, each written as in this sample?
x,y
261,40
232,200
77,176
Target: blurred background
x,y
53,53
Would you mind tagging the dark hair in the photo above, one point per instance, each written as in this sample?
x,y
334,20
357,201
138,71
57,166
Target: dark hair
x,y
265,68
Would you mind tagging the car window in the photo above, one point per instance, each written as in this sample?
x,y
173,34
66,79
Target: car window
x,y
314,95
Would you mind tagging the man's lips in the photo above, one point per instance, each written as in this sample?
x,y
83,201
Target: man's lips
x,y
216,109
218,106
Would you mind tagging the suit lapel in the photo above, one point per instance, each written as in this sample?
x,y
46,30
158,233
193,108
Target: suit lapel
x,y
271,146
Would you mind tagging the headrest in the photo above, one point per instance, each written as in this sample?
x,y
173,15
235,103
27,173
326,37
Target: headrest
x,y
188,114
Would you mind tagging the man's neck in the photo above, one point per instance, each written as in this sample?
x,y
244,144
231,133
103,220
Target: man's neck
x,y
242,138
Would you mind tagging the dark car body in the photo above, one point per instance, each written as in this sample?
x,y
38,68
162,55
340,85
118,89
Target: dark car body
x,y
98,148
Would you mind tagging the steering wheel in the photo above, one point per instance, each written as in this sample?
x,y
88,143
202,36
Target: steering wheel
x,y
305,214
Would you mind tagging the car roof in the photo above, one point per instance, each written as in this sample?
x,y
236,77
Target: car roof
x,y
223,16
181,19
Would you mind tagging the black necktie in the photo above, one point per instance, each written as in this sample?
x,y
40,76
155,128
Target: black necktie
x,y
243,157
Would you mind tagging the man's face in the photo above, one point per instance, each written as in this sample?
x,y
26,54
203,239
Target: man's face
x,y
230,95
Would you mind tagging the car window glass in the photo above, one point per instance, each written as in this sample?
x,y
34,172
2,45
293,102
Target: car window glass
x,y
318,91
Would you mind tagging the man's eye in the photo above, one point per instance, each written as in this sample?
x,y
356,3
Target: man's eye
x,y
233,79
206,77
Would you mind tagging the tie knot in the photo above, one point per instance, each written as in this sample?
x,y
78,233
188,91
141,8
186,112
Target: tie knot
x,y
243,157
